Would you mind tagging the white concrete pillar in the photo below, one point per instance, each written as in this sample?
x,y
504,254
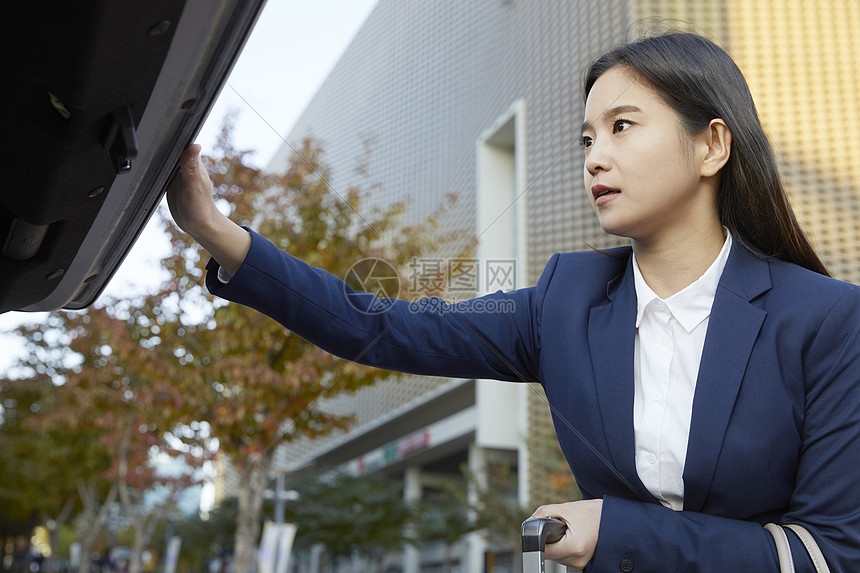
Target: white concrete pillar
x,y
523,460
412,492
476,546
316,554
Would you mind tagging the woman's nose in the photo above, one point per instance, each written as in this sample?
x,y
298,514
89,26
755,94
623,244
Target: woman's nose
x,y
596,159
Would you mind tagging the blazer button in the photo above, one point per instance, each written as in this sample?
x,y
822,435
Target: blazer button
x,y
626,564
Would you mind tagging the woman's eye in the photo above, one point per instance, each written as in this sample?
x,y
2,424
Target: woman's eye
x,y
585,141
621,125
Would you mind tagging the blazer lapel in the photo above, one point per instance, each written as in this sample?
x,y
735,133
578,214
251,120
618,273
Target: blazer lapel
x,y
733,327
611,336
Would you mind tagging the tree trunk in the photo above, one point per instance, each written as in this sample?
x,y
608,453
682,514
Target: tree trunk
x,y
144,527
140,540
143,523
323,561
54,530
94,515
252,484
51,563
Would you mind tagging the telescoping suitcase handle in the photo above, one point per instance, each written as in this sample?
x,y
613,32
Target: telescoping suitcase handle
x,y
537,532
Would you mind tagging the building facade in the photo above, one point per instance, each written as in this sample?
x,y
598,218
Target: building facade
x,y
483,99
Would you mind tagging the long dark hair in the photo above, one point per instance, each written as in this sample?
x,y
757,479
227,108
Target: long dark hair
x,y
701,82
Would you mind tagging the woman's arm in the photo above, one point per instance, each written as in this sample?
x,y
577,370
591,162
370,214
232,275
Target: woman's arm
x,y
489,337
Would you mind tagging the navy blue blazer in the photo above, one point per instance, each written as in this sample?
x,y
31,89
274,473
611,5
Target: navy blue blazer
x,y
775,432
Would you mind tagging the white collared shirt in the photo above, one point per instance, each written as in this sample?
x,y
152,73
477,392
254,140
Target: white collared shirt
x,y
670,337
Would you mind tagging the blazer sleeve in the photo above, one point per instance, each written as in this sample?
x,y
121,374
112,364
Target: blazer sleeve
x,y
495,336
826,498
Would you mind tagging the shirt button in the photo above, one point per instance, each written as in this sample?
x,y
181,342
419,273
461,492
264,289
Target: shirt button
x,y
664,339
661,306
652,459
658,397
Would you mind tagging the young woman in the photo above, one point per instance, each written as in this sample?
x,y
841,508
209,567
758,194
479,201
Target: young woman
x,y
703,383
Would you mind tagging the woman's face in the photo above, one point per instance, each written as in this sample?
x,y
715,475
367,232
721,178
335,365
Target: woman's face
x,y
640,167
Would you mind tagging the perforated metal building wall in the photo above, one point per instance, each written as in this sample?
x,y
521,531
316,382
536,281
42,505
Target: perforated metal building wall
x,y
419,84
802,61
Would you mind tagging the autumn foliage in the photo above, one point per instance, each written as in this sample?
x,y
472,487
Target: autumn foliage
x,y
261,384
181,374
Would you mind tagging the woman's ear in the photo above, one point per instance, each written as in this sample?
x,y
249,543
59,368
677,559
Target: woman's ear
x,y
717,140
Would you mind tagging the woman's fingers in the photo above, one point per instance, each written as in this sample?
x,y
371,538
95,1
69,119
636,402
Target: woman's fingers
x,y
577,546
193,208
189,196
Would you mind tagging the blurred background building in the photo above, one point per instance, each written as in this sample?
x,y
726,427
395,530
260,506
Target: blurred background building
x,y
483,98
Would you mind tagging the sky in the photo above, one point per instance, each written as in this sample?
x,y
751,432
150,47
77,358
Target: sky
x,y
291,51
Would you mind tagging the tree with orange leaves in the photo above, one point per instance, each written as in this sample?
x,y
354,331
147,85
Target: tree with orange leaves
x,y
266,382
105,406
176,370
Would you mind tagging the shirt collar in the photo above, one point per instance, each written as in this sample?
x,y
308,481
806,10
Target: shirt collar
x,y
691,305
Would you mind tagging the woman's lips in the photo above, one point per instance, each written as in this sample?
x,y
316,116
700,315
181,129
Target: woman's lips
x,y
603,194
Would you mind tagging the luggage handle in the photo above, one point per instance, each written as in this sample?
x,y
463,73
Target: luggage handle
x,y
537,532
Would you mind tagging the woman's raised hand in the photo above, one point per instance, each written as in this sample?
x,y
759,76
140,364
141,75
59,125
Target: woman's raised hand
x,y
193,208
190,195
